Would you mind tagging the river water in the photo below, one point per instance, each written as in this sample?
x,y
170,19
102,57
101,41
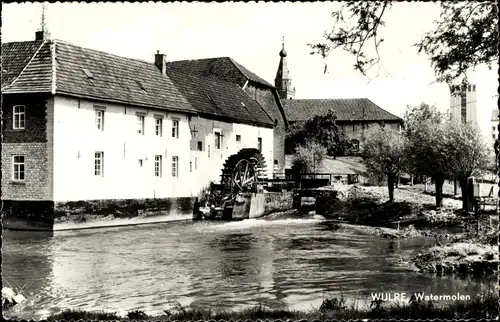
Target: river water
x,y
286,263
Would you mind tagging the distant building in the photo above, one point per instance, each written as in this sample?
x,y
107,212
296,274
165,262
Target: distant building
x,y
354,115
494,125
463,104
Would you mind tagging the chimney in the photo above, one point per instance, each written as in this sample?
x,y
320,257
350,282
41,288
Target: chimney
x,y
40,35
161,62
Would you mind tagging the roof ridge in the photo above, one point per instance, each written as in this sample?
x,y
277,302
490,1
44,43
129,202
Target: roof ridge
x,y
235,63
26,66
208,58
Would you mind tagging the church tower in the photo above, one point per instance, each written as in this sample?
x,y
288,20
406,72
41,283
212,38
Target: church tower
x,y
283,81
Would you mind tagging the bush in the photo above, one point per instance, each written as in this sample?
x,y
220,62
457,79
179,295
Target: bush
x,y
307,157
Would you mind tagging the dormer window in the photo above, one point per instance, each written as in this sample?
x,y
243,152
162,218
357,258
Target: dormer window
x,y
19,118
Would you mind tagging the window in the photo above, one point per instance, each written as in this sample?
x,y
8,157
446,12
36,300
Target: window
x,y
175,129
238,138
474,87
469,88
190,166
19,117
354,127
159,127
140,124
175,166
217,140
158,166
99,119
200,146
18,167
99,164
208,151
140,163
259,144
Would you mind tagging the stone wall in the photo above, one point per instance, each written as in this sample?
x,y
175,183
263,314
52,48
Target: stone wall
x,y
88,210
36,184
278,201
44,215
32,143
28,215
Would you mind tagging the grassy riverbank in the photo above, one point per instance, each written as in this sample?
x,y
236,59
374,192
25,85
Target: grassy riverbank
x,y
480,307
471,249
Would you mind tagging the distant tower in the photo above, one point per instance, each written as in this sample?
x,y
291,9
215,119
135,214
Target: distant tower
x,y
42,33
283,81
463,106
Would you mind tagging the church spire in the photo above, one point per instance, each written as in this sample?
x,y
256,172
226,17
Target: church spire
x,y
43,33
283,81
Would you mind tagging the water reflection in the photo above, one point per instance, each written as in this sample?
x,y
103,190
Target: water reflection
x,y
287,263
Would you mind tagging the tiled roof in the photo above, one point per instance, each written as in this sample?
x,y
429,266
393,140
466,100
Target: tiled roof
x,y
16,56
72,70
346,109
224,68
213,97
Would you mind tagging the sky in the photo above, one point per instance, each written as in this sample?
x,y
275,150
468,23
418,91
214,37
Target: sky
x,y
251,33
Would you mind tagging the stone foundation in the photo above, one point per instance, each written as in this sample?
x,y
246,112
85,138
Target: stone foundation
x,y
28,215
48,215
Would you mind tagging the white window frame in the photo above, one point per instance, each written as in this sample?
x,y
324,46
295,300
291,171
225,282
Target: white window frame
x,y
158,166
175,128
19,117
141,119
99,118
175,166
16,168
99,164
159,126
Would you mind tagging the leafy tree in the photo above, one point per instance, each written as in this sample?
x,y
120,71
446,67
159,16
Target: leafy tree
x,y
465,36
322,129
384,154
414,117
468,152
307,157
427,152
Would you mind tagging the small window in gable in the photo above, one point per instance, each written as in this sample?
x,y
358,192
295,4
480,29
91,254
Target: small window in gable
x,y
238,138
200,146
